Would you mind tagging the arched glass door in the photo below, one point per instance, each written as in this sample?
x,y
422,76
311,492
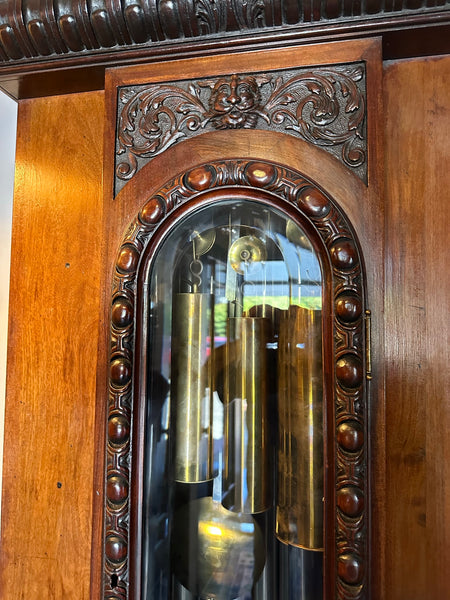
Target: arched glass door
x,y
237,449
234,450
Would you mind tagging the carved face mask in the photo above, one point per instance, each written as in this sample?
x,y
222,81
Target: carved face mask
x,y
235,103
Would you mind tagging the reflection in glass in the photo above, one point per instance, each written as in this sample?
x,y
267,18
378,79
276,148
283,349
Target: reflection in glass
x,y
233,492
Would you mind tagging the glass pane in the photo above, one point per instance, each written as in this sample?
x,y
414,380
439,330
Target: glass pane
x,y
233,498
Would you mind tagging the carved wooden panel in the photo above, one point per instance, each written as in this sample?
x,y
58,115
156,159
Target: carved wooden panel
x,y
348,532
325,106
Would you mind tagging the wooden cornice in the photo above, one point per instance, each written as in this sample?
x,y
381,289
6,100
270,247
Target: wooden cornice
x,y
57,46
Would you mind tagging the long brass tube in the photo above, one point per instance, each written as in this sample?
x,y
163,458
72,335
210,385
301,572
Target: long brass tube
x,y
246,478
299,518
191,387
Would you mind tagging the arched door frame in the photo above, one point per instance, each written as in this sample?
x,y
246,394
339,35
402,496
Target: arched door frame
x,y
347,566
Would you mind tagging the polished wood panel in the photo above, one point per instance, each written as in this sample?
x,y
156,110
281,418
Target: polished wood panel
x,y
51,399
417,326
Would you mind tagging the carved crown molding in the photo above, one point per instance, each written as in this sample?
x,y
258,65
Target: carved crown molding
x,y
324,106
57,29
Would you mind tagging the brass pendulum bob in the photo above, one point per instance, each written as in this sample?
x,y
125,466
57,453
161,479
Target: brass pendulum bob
x,y
220,555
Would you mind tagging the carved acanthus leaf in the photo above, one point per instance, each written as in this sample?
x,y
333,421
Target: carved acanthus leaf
x,y
154,119
324,106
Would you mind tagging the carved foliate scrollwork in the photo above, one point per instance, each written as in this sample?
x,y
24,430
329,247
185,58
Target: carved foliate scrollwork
x,y
350,471
213,17
324,106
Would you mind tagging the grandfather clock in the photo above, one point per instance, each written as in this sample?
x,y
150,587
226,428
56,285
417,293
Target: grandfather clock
x,y
226,353
237,462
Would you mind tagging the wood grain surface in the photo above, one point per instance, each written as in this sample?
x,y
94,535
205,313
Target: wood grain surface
x,y
417,329
54,303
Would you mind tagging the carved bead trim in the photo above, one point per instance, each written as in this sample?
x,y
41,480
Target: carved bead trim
x,y
350,407
325,106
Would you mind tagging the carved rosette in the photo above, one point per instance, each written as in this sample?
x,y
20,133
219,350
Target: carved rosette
x,y
350,472
324,106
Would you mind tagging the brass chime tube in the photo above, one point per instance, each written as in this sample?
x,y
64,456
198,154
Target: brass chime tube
x,y
246,477
191,387
299,520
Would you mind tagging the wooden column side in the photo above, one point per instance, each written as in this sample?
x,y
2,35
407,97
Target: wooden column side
x,y
418,411
54,308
